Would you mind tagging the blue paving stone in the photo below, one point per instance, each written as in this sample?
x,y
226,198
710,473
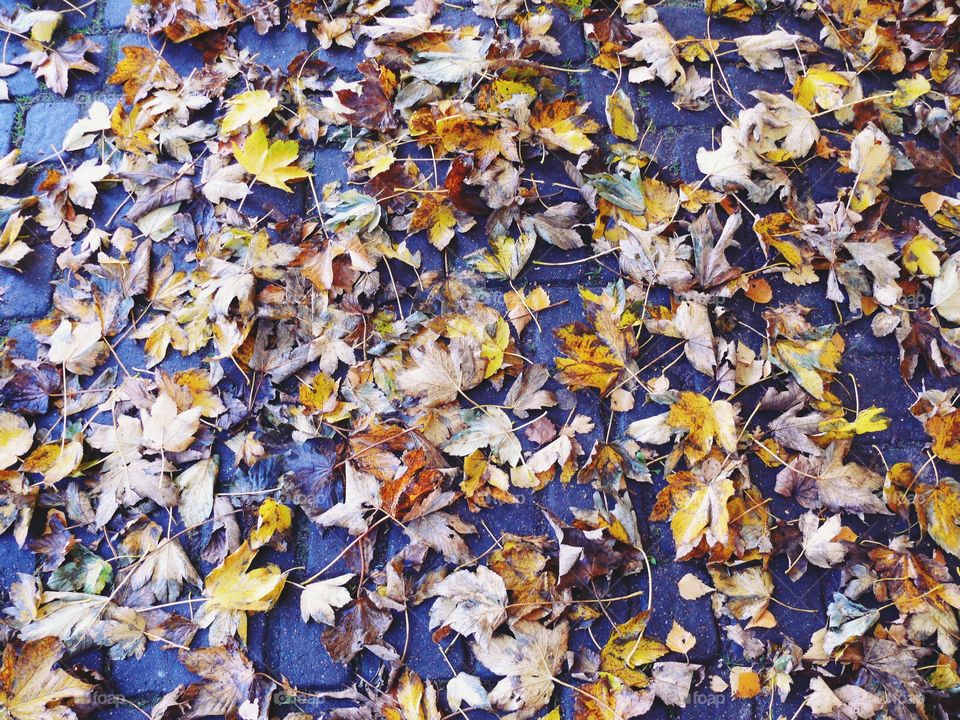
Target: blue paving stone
x,y
158,671
328,166
21,335
23,82
115,13
84,84
277,48
13,560
8,112
695,616
46,125
295,650
657,103
27,293
569,35
688,143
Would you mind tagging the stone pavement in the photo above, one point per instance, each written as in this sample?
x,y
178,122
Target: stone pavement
x,y
35,121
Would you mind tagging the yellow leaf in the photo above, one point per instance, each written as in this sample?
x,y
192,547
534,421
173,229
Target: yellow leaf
x,y
909,90
562,124
945,431
54,460
703,422
740,10
747,590
43,28
628,649
436,216
506,256
819,87
867,421
811,359
590,361
269,163
691,587
697,509
16,437
249,107
520,307
744,683
273,518
920,256
232,591
32,689
938,509
620,116
142,67
679,640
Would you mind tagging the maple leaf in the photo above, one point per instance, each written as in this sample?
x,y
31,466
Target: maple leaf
x,y
233,590
609,698
562,124
811,355
78,347
31,688
157,566
319,599
437,217
591,361
529,659
230,687
247,107
140,70
830,483
819,541
505,258
362,625
922,336
696,506
470,603
698,420
847,702
628,649
744,593
921,589
166,428
938,509
490,428
435,375
53,64
269,163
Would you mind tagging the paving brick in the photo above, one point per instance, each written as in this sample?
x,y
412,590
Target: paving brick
x,y
157,672
115,13
277,48
27,293
295,649
23,82
47,124
688,143
84,84
657,106
8,113
13,560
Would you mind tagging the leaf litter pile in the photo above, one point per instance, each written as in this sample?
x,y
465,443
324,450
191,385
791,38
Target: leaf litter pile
x,y
360,376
